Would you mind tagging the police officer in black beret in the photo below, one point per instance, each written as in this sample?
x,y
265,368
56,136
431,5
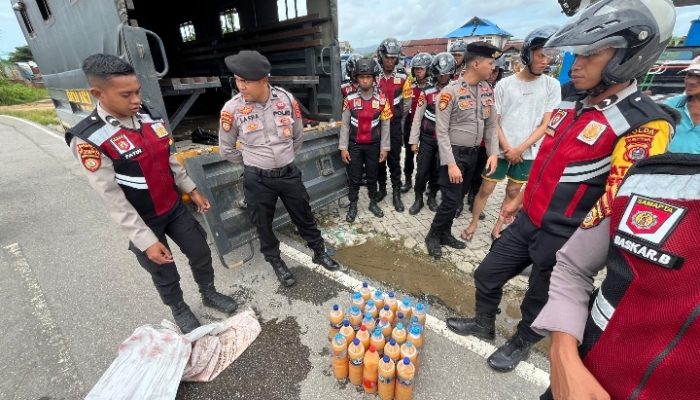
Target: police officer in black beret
x,y
267,121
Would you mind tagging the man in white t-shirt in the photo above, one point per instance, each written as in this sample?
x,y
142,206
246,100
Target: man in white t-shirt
x,y
524,102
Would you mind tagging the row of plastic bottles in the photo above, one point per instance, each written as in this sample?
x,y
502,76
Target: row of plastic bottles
x,y
391,375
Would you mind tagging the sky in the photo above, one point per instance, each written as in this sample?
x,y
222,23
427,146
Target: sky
x,y
367,22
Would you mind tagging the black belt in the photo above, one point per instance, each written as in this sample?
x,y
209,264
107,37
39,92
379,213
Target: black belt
x,y
270,173
465,150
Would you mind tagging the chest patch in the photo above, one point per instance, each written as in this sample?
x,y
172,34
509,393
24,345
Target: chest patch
x,y
650,219
160,130
556,119
122,143
591,132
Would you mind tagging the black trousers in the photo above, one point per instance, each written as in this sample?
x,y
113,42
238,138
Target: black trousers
x,y
452,193
475,182
394,159
364,158
262,193
520,245
428,169
181,226
408,164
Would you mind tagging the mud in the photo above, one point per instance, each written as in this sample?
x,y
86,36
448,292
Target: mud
x,y
307,287
420,276
262,371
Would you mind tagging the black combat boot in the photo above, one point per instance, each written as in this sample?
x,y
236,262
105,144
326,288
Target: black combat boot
x,y
482,326
352,212
396,197
407,185
323,259
184,318
212,298
432,242
417,204
374,209
284,275
432,202
448,240
381,193
508,356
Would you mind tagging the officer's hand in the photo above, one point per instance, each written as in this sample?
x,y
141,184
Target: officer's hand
x,y
382,155
159,254
491,164
345,156
414,148
201,201
570,379
454,173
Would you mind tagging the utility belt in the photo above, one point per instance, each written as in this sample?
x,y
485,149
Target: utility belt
x,y
271,173
463,150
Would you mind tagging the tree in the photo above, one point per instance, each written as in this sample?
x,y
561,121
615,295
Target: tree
x,y
20,54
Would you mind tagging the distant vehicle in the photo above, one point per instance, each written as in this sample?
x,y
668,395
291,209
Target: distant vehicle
x,y
664,76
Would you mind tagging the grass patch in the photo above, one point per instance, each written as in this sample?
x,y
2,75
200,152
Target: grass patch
x,y
16,93
43,117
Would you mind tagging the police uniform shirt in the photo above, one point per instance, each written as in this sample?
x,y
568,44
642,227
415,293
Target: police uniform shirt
x,y
464,116
344,136
118,207
269,133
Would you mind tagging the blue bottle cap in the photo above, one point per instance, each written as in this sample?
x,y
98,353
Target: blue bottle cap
x,y
399,315
378,293
399,326
392,294
415,330
355,309
392,342
386,307
339,337
420,306
336,307
356,341
406,360
414,320
365,284
409,344
370,303
368,315
406,301
386,359
356,296
377,332
346,322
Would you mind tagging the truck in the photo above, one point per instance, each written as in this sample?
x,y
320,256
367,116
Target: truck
x,y
178,53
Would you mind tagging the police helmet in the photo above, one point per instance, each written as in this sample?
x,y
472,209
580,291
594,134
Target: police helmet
x,y
443,64
458,47
421,60
639,30
365,66
535,40
389,47
350,64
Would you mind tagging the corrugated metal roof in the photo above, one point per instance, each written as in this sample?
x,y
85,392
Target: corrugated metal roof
x,y
412,47
478,27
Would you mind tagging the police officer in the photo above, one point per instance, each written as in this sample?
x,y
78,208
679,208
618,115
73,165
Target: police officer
x,y
267,121
125,150
422,138
419,71
458,49
364,135
464,116
349,85
394,83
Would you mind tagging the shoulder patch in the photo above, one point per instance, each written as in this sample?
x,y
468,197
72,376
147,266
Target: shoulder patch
x,y
226,120
445,99
89,156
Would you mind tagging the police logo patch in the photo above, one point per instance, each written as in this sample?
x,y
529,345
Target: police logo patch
x,y
285,121
487,112
89,156
463,104
592,219
650,219
375,104
287,132
488,101
280,105
637,146
245,110
160,130
421,100
462,91
122,143
397,81
358,104
252,127
444,100
226,120
556,119
591,132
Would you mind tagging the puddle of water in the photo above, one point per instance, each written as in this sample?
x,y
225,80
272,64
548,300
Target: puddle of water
x,y
419,276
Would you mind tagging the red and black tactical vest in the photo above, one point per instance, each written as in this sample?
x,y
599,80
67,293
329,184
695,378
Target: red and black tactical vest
x,y
392,88
365,124
141,160
573,163
347,87
642,338
427,124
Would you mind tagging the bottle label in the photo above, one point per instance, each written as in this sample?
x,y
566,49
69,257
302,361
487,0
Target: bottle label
x,y
385,379
336,326
405,382
369,384
356,361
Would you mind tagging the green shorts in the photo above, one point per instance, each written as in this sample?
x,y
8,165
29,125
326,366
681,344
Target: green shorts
x,y
517,173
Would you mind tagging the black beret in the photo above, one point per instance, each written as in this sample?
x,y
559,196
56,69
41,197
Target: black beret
x,y
484,49
249,65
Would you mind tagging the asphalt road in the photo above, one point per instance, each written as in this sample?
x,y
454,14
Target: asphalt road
x,y
71,292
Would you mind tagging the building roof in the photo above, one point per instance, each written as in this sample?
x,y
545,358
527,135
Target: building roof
x,y
513,44
478,27
433,46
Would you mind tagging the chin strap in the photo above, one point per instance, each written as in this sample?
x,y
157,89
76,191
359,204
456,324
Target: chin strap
x,y
598,89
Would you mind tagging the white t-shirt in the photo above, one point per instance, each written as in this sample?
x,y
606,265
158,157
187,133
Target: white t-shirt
x,y
521,106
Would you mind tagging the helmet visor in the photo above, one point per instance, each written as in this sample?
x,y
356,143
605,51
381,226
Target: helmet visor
x,y
614,42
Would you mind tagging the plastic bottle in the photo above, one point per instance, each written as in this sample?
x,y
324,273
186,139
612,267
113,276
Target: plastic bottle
x,y
357,300
387,378
420,311
370,373
363,335
371,308
405,372
399,318
410,351
347,331
378,298
386,313
340,357
366,291
415,336
355,317
393,304
392,349
385,326
336,321
405,308
377,340
356,355
369,322
399,333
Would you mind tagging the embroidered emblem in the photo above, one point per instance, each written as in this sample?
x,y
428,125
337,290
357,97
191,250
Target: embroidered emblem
x,y
556,119
637,146
252,127
649,219
462,91
245,110
463,104
287,132
421,100
226,120
89,156
160,130
358,104
444,100
122,143
285,121
375,104
280,105
397,81
591,132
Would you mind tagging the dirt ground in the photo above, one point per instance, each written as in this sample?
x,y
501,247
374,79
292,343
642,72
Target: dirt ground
x,y
37,105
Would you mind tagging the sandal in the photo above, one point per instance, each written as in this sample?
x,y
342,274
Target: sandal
x,y
466,235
